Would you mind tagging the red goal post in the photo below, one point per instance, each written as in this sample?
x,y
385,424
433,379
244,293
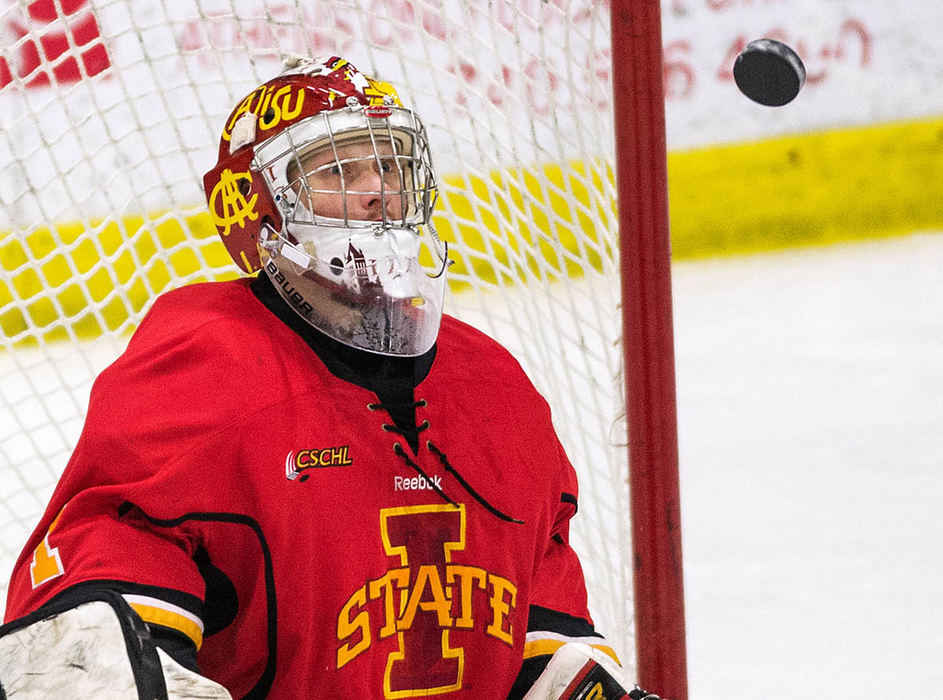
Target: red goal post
x,y
109,117
645,254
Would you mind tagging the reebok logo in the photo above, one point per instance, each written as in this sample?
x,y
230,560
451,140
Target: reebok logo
x,y
416,483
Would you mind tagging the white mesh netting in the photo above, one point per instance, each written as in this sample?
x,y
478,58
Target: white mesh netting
x,y
111,115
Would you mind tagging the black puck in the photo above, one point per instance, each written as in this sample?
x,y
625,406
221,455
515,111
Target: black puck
x,y
769,72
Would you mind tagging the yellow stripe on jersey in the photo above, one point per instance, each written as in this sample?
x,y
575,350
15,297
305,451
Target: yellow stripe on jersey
x,y
541,647
546,644
157,612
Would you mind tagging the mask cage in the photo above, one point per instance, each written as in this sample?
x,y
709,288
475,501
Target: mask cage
x,y
398,146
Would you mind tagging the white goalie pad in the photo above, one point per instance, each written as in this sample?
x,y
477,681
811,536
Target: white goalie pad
x,y
184,684
577,671
98,649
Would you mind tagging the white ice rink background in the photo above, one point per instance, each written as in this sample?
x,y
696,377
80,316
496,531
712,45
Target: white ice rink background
x,y
810,393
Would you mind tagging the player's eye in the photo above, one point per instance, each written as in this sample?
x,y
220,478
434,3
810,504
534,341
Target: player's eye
x,y
335,170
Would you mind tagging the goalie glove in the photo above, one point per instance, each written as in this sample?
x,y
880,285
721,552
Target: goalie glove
x,y
580,672
96,648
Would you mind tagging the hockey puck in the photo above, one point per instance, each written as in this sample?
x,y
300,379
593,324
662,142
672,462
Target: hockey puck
x,y
769,72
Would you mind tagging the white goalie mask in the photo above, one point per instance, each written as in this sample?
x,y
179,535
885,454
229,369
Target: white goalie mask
x,y
343,189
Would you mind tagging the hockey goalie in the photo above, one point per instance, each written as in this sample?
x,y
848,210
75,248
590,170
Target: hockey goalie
x,y
310,482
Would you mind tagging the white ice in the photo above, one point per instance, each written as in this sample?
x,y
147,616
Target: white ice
x,y
810,394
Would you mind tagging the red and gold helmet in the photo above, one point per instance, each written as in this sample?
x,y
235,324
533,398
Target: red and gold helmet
x,y
312,100
324,180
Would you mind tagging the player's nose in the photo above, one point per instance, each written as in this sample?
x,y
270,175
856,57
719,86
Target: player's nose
x,y
375,196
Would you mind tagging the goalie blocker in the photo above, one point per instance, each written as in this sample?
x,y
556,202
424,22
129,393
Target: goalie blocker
x,y
97,648
580,672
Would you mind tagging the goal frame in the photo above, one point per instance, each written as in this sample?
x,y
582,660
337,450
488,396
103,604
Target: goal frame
x,y
648,352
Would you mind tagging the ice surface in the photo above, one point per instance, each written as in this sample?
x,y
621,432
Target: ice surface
x,y
810,393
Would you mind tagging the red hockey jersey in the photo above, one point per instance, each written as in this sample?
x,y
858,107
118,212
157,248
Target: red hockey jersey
x,y
237,491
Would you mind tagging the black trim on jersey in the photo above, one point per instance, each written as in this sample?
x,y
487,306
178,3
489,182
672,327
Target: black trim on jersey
x,y
392,379
541,619
264,684
176,644
468,488
221,604
571,499
81,591
528,675
547,620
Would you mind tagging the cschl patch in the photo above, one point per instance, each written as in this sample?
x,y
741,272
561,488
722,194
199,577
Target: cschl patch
x,y
297,463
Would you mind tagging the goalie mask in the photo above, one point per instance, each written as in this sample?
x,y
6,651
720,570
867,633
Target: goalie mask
x,y
325,181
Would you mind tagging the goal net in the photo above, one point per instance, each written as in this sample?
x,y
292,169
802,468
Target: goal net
x,y
111,112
